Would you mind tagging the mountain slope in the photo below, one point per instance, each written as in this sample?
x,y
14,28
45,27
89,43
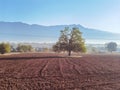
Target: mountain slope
x,y
18,31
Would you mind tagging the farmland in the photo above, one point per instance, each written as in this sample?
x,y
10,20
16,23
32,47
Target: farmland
x,y
39,71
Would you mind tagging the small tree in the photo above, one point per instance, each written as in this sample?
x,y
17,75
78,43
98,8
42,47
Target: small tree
x,y
112,46
70,40
5,48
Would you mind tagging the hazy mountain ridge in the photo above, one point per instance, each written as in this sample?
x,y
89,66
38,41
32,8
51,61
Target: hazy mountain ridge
x,y
18,31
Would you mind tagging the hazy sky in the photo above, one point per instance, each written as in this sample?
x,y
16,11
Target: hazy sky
x,y
99,14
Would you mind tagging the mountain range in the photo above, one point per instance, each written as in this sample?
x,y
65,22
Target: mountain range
x,y
23,32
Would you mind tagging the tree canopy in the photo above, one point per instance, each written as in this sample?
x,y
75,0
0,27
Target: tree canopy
x,y
111,46
5,48
70,40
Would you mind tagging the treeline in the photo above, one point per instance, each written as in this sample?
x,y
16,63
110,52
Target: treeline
x,y
7,48
110,47
70,40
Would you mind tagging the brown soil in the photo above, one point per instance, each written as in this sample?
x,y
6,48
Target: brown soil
x,y
40,71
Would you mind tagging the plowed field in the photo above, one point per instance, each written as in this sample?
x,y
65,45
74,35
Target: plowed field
x,y
55,72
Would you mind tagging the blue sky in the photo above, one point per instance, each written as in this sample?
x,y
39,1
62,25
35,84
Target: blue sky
x,y
98,14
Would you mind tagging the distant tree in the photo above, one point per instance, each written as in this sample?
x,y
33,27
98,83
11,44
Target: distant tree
x,y
5,48
70,40
94,50
112,46
13,49
24,48
45,49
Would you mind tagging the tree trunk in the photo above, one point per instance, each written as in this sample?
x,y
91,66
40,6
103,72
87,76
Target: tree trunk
x,y
69,53
69,48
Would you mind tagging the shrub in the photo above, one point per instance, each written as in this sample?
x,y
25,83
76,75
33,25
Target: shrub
x,y
4,48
